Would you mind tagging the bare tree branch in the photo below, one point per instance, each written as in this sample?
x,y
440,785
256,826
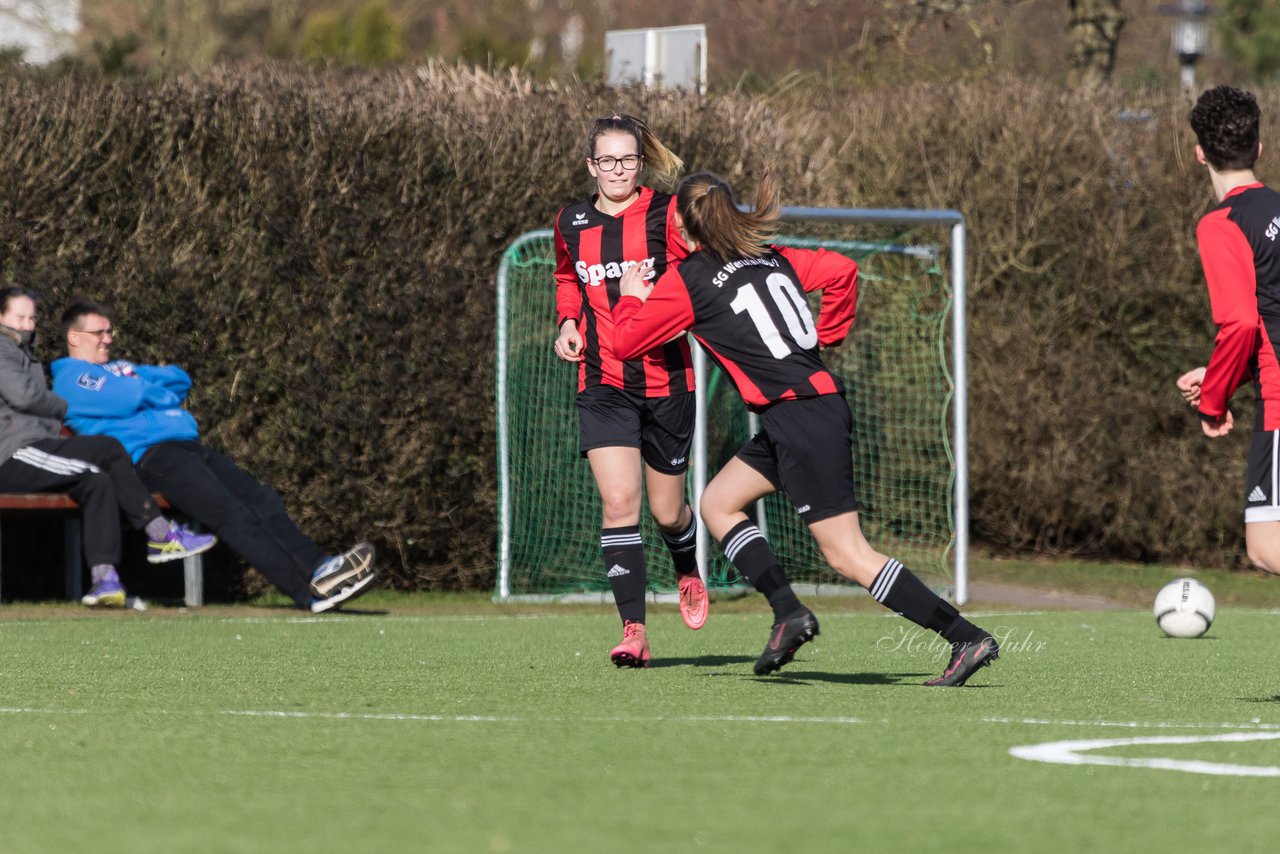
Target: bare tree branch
x,y
1095,32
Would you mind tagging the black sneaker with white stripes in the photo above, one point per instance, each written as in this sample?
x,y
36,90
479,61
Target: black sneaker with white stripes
x,y
785,638
343,578
967,659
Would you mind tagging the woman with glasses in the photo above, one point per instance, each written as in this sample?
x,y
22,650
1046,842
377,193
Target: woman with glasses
x,y
635,417
744,299
94,470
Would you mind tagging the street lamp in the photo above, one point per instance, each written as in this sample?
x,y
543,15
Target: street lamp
x,y
1190,35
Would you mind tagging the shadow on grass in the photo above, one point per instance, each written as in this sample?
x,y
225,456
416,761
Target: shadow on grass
x,y
908,680
702,661
802,677
288,608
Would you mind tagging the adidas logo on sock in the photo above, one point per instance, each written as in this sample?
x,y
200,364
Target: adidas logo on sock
x,y
1257,494
616,571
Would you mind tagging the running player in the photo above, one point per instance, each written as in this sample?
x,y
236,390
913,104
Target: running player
x,y
635,418
743,299
1241,259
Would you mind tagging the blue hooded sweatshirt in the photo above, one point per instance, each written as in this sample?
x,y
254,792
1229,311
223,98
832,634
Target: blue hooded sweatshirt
x,y
141,405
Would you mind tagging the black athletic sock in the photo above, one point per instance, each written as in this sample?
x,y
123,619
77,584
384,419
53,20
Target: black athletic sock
x,y
898,589
684,547
624,565
748,550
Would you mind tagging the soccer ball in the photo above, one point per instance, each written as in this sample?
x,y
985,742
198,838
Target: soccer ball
x,y
1184,608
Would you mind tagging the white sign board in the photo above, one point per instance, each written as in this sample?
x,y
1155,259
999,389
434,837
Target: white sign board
x,y
43,29
663,56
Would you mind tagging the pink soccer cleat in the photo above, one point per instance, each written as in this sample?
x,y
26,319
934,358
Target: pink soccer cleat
x,y
634,649
694,603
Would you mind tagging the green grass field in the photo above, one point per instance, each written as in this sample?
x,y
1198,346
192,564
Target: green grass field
x,y
453,724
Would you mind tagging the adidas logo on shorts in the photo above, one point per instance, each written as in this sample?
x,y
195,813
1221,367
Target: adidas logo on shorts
x,y
1257,494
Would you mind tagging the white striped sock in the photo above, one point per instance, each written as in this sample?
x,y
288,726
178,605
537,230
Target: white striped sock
x,y
884,581
735,545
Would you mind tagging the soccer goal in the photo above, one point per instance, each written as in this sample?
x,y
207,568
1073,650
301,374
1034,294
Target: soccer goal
x,y
903,367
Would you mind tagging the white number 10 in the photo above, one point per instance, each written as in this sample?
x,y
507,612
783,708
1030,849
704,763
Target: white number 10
x,y
792,307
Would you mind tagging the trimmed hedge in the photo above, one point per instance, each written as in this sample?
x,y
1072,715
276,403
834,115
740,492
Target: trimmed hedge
x,y
319,252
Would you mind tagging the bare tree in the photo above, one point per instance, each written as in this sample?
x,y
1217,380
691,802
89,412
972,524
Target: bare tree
x,y
1095,31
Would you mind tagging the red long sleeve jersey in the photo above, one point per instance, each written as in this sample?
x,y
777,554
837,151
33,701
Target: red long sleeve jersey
x,y
752,317
593,250
1241,258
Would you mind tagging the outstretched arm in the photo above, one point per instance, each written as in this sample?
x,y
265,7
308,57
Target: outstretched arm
x,y
647,316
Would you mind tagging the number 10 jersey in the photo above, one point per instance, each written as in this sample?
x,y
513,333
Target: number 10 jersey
x,y
751,316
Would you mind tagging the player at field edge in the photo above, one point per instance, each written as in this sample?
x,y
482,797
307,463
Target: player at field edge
x,y
743,299
94,470
1237,240
635,417
141,406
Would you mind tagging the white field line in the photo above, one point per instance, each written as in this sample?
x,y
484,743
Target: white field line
x,y
1078,753
608,719
1255,724
408,716
481,618
484,618
366,716
399,618
434,718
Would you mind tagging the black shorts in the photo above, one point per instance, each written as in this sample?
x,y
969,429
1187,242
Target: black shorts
x,y
805,450
1262,477
661,427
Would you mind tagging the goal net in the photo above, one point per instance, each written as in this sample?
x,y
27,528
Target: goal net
x,y
895,369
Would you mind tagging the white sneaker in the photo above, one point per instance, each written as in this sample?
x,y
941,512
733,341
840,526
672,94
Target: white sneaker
x,y
342,571
346,594
343,578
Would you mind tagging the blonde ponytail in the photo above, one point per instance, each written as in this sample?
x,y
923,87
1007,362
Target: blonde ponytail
x,y
711,216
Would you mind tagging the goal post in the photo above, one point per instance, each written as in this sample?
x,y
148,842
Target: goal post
x,y
908,400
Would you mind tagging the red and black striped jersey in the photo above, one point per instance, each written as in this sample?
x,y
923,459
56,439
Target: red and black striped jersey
x,y
1239,250
752,318
593,250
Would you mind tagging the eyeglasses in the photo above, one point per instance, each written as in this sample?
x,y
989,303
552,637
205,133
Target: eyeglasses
x,y
98,333
631,162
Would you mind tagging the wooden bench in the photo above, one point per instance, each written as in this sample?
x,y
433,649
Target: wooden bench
x,y
193,567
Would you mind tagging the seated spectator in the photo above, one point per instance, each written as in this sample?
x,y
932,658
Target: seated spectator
x,y
141,405
94,470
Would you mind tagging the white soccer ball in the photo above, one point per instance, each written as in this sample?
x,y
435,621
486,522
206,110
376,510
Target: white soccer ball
x,y
1184,608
